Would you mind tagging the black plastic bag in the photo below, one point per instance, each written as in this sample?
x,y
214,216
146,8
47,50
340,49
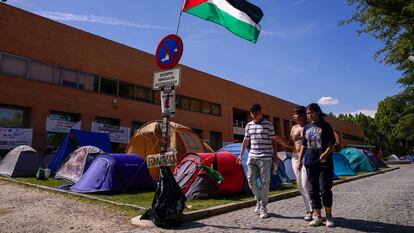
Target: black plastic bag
x,y
168,203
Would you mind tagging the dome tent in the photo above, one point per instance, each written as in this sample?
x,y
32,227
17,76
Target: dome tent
x,y
22,161
147,141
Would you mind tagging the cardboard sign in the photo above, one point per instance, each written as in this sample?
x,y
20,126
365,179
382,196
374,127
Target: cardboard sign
x,y
162,160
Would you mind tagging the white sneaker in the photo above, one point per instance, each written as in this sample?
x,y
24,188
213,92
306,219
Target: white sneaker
x,y
257,208
329,222
263,212
308,216
317,221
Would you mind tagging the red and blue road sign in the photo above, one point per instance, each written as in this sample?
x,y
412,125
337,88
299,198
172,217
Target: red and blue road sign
x,y
169,52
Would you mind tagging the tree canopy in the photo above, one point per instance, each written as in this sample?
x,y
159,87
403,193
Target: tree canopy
x,y
391,21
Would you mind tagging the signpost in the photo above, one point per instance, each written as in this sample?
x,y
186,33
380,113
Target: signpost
x,y
167,56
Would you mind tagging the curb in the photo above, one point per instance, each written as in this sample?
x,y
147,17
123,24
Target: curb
x,y
200,214
71,193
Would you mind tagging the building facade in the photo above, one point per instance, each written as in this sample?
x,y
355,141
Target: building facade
x,y
53,76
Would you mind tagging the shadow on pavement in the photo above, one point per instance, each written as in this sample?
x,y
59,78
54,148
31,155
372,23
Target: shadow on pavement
x,y
369,226
272,215
199,227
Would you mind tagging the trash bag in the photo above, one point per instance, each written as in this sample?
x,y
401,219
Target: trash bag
x,y
168,203
43,173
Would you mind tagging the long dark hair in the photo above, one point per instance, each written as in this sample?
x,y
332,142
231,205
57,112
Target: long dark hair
x,y
315,108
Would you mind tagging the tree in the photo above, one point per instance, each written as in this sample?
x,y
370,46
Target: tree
x,y
391,21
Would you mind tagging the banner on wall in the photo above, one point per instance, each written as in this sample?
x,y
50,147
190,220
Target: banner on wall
x,y
117,134
12,137
61,126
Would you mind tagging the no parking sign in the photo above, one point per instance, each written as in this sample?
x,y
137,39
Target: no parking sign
x,y
169,52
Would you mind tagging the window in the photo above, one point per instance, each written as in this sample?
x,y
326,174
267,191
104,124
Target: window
x,y
58,128
68,78
126,90
143,93
12,117
185,102
14,66
216,109
206,107
216,141
286,128
195,105
108,86
276,123
352,137
87,81
108,121
41,72
156,97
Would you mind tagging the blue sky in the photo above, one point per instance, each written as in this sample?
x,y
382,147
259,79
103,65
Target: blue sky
x,y
302,55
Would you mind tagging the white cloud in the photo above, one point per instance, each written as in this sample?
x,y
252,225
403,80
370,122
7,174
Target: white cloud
x,y
62,16
327,100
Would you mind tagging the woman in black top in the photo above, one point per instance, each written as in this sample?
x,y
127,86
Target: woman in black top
x,y
316,155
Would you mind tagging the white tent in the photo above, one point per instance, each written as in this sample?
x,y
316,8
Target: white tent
x,y
21,161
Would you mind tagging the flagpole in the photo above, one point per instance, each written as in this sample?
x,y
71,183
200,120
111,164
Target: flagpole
x,y
179,17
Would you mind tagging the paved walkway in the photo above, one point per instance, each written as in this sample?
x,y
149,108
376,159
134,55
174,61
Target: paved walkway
x,y
380,203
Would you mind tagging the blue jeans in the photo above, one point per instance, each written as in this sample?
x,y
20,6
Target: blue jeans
x,y
259,168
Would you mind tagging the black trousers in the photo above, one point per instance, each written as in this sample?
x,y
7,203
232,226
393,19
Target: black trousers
x,y
320,178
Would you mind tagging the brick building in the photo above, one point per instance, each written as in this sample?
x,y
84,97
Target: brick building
x,y
50,72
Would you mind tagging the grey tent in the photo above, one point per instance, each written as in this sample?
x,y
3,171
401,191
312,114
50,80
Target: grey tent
x,y
21,161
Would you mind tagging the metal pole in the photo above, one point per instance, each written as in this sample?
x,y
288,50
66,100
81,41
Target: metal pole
x,y
179,17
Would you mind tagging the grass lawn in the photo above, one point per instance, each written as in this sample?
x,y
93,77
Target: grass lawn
x,y
144,199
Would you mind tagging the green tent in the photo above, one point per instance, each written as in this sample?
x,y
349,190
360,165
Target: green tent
x,y
359,162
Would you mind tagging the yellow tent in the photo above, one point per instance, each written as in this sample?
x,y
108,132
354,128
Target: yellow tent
x,y
147,140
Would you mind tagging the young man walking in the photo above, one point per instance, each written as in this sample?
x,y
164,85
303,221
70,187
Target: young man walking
x,y
299,116
260,134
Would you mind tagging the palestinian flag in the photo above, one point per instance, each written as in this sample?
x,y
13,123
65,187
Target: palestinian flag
x,y
238,16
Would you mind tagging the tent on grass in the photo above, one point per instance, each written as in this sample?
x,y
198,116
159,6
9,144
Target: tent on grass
x,y
374,159
22,161
288,168
77,163
195,182
393,157
275,181
147,141
111,173
406,158
342,167
358,161
77,138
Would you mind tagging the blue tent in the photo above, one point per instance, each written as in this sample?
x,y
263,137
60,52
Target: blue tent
x,y
289,169
77,138
358,161
275,180
342,166
115,173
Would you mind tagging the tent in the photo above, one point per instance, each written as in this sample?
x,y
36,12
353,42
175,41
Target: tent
x,y
393,157
358,161
21,161
406,158
77,163
288,168
275,181
77,138
374,159
342,167
147,141
115,173
194,182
